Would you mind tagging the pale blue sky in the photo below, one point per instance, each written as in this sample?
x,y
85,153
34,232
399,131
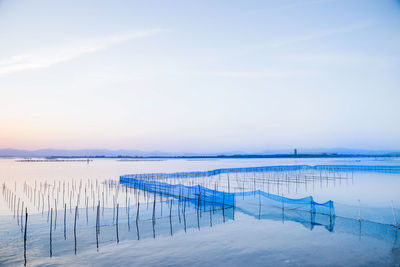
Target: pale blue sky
x,y
200,76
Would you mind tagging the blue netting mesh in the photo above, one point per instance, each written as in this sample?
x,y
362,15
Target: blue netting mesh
x,y
207,198
199,195
373,168
253,200
363,221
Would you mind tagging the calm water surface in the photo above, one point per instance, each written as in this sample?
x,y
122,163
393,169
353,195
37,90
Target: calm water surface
x,y
233,238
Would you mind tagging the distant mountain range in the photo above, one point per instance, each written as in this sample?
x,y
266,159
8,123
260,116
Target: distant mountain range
x,y
9,152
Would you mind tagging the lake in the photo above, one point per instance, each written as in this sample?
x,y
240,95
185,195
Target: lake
x,y
79,213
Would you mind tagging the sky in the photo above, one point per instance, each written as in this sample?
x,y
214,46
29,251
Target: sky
x,y
200,76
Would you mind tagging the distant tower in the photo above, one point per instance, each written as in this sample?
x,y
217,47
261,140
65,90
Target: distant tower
x,y
295,151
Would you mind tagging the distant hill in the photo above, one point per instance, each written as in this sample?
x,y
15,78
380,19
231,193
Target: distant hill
x,y
9,152
341,151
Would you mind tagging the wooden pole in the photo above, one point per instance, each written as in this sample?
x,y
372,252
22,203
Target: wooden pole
x,y
51,228
26,225
65,221
97,228
116,225
76,213
170,216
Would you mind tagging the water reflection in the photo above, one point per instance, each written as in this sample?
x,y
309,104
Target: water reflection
x,y
108,222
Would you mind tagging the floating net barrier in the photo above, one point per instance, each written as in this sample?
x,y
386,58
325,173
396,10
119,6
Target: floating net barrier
x,y
195,196
375,221
359,168
212,172
305,211
206,198
283,168
257,204
199,195
169,211
254,198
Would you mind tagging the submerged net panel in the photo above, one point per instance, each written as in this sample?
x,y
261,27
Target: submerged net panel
x,y
367,228
382,215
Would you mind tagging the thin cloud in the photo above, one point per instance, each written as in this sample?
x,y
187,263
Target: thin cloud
x,y
319,35
293,40
307,3
45,58
344,60
297,4
258,74
270,10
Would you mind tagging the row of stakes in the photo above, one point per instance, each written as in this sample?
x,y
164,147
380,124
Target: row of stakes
x,y
20,208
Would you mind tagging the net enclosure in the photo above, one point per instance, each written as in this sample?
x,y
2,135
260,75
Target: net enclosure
x,y
256,189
